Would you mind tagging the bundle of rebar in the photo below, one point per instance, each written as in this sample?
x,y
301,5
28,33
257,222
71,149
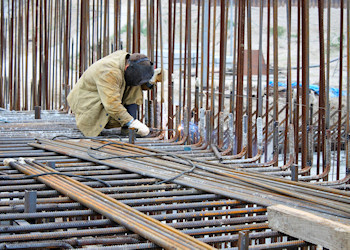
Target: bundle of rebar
x,y
145,226
33,215
214,177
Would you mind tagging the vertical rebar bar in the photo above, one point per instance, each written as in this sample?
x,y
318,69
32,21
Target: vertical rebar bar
x,y
208,55
234,71
11,54
14,76
82,62
347,139
19,52
275,60
321,112
116,23
202,42
340,100
180,63
297,99
212,86
289,105
189,65
41,52
2,85
259,90
198,34
170,61
66,56
46,55
100,40
137,26
305,81
4,51
249,80
328,63
128,29
51,84
93,47
267,78
240,72
54,55
105,38
77,44
184,95
159,8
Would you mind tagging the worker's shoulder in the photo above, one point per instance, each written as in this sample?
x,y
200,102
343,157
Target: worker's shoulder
x,y
118,53
117,56
114,60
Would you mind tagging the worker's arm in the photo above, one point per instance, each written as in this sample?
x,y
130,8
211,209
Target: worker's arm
x,y
109,88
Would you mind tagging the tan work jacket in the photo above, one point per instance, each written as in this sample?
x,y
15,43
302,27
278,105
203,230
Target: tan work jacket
x,y
101,93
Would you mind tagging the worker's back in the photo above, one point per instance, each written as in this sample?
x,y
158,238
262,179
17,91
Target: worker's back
x,y
98,94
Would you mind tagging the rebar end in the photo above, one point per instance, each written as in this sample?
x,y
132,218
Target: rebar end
x,y
7,161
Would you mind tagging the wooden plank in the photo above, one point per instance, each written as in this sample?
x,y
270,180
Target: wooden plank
x,y
309,227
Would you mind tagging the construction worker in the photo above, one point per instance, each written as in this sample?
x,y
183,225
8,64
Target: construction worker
x,y
107,95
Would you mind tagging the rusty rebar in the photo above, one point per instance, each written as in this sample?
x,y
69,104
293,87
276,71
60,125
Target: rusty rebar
x,y
240,70
340,98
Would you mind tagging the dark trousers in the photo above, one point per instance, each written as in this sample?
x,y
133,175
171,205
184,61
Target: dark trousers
x,y
132,110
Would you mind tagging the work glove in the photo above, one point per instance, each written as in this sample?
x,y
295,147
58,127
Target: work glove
x,y
141,129
157,76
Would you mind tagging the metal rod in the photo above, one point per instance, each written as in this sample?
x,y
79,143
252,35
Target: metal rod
x,y
289,105
240,71
170,71
267,78
189,64
223,43
347,133
249,82
275,60
212,85
260,73
180,64
2,85
234,71
305,81
322,96
243,240
340,100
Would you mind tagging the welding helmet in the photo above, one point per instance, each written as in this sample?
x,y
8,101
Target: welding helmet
x,y
139,71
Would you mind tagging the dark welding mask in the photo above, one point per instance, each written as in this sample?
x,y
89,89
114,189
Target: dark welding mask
x,y
138,72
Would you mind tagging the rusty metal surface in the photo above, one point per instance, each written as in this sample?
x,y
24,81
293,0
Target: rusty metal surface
x,y
218,139
50,124
61,222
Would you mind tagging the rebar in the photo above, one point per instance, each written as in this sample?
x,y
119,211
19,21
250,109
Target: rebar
x,y
304,117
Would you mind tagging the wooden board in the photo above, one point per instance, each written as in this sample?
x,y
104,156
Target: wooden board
x,y
309,227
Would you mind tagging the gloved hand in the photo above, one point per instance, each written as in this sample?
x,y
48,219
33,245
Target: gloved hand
x,y
141,129
158,75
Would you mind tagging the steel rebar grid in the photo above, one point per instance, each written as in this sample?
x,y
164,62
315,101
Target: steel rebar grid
x,y
247,197
212,239
159,233
40,42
